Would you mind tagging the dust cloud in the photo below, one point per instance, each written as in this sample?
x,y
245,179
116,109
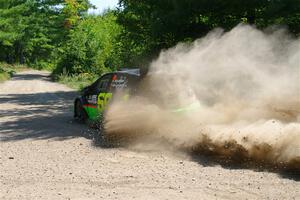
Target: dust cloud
x,y
233,94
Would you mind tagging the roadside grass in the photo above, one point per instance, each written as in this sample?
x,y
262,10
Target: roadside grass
x,y
8,70
77,82
3,76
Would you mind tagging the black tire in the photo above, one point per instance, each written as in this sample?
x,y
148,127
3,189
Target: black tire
x,y
80,113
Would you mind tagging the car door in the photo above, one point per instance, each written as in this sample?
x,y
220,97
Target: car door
x,y
90,100
104,95
97,96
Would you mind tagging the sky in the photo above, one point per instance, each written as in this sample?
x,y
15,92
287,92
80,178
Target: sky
x,y
102,5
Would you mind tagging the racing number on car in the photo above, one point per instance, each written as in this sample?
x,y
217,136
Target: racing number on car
x,y
103,99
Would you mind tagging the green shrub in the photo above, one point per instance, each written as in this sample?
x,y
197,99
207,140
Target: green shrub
x,y
4,76
7,70
90,48
77,82
43,65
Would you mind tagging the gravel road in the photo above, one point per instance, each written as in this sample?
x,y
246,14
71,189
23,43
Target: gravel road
x,y
44,154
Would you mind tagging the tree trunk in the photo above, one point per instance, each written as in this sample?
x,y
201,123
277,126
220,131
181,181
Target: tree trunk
x,y
19,56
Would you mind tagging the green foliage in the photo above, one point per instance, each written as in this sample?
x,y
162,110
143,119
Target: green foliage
x,y
4,73
73,10
91,46
162,24
78,81
4,76
32,30
7,71
60,35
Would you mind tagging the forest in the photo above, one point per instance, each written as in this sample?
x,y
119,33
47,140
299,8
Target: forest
x,y
61,35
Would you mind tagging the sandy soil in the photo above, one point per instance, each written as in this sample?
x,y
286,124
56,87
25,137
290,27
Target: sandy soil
x,y
45,155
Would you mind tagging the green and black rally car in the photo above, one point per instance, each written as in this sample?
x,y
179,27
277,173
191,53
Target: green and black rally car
x,y
94,98
121,85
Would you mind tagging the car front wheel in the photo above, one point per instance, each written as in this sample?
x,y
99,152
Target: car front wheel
x,y
80,113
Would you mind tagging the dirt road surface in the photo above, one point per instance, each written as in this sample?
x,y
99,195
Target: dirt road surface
x,y
45,155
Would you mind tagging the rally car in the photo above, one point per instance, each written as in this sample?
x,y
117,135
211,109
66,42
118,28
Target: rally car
x,y
96,97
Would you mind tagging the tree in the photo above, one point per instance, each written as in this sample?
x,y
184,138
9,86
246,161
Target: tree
x,y
32,30
73,10
152,25
12,29
91,46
